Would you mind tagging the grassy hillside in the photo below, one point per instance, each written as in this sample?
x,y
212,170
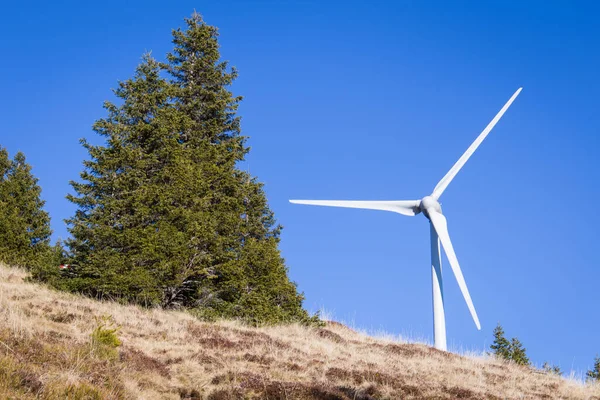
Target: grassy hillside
x,y
55,345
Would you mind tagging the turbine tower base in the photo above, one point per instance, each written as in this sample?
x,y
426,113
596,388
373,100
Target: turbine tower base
x,y
439,318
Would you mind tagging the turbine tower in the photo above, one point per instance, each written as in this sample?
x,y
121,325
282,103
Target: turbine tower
x,y
430,207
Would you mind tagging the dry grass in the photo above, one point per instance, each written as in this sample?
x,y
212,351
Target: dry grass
x,y
46,352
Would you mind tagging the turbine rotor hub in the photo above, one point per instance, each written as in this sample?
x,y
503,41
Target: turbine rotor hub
x,y
428,203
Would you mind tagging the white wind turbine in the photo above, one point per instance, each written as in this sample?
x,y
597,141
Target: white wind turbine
x,y
431,208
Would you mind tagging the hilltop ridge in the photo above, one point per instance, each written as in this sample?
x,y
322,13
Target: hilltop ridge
x,y
47,351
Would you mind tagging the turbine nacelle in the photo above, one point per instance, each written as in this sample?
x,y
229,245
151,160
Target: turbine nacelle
x,y
428,203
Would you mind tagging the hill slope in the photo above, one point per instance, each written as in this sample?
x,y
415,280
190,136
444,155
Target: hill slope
x,y
46,351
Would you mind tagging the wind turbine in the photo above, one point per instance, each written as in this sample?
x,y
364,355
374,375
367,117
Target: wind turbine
x,y
430,207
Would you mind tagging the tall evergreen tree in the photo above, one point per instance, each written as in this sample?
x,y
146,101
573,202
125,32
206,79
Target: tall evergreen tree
x,y
24,225
501,346
594,373
165,216
118,237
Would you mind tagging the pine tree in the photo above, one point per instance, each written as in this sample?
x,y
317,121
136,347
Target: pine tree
x,y
518,352
501,346
512,350
594,373
117,234
165,216
24,225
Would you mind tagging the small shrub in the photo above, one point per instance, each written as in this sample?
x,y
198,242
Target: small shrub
x,y
512,350
314,320
594,373
104,338
551,369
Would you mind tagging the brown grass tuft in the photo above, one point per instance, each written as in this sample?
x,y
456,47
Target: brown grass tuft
x,y
139,361
330,335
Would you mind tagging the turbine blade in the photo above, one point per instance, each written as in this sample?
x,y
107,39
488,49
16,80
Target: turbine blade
x,y
441,227
404,207
441,186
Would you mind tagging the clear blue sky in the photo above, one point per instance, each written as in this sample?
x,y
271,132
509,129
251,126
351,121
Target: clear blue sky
x,y
369,100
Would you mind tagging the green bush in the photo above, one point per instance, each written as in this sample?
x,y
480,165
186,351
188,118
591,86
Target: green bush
x,y
551,369
104,339
594,373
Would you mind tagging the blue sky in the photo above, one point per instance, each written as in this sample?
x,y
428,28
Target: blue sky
x,y
369,100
